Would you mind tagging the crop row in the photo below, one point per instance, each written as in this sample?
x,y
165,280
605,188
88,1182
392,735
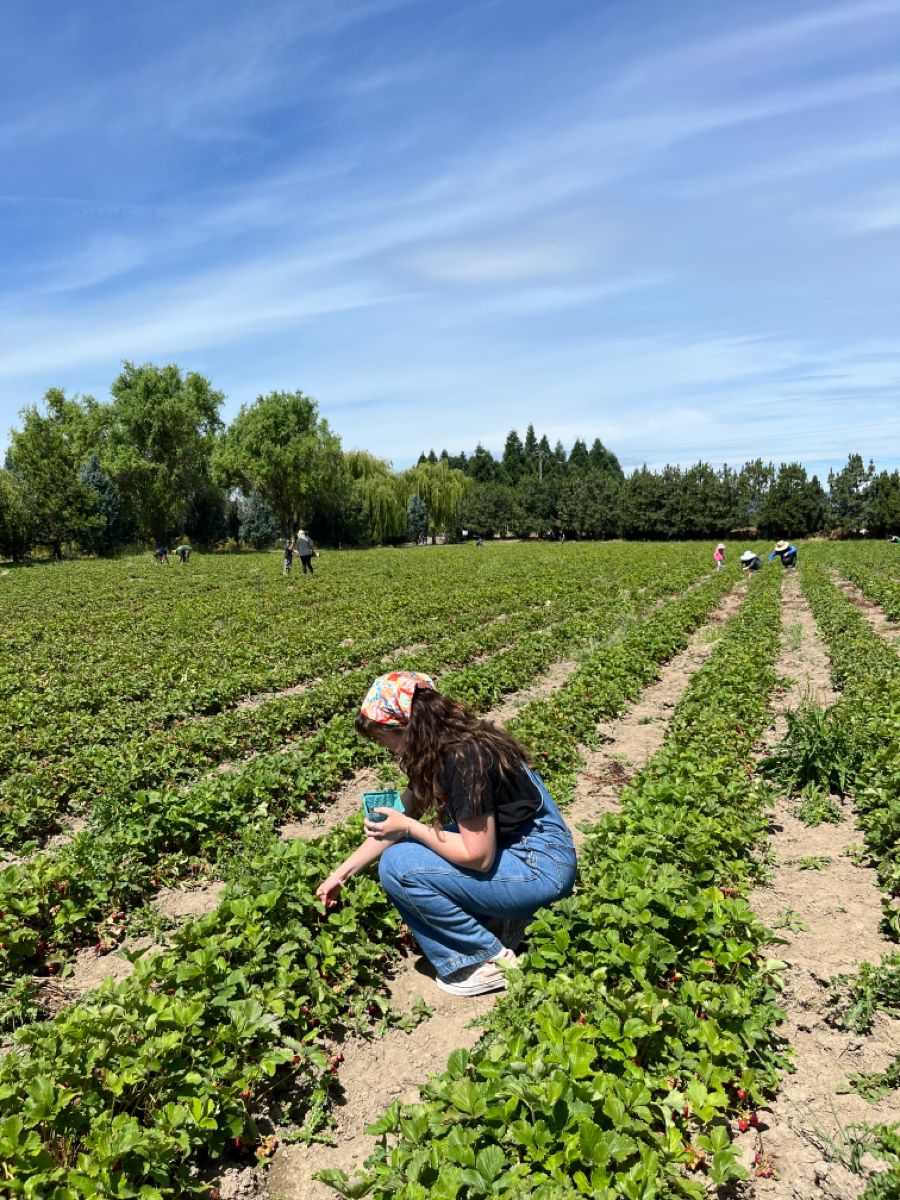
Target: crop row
x,y
106,761
882,558
123,1092
96,648
41,722
642,1017
35,797
877,587
54,903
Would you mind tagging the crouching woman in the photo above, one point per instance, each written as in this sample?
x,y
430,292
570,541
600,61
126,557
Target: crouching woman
x,y
491,850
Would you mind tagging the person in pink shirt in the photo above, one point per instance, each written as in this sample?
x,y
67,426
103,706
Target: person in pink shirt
x,y
719,556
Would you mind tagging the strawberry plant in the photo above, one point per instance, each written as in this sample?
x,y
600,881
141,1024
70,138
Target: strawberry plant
x,y
55,903
643,1013
258,982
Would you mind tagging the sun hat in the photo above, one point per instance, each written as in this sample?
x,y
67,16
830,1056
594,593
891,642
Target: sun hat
x,y
781,545
389,700
747,555
721,546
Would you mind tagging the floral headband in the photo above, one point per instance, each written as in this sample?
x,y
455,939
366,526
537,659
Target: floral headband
x,y
389,700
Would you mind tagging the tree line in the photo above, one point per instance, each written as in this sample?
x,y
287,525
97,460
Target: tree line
x,y
535,489
156,462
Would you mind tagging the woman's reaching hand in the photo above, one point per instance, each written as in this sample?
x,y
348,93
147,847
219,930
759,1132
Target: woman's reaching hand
x,y
329,890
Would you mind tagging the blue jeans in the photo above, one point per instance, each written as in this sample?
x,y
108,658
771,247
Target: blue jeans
x,y
445,905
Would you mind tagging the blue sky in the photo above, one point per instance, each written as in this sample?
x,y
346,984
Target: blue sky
x,y
675,227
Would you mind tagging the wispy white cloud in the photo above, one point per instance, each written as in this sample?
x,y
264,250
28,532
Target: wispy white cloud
x,y
878,214
214,310
832,158
381,213
209,84
751,46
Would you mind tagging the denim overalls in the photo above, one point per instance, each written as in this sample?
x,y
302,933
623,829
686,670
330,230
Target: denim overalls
x,y
445,906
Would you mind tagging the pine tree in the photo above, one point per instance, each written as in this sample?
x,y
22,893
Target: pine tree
x,y
16,517
884,504
578,457
258,526
482,467
108,537
794,506
532,466
513,461
849,494
605,461
416,520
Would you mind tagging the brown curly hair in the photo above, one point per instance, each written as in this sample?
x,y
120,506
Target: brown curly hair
x,y
440,730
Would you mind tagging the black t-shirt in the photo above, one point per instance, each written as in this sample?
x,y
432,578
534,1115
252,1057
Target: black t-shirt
x,y
511,801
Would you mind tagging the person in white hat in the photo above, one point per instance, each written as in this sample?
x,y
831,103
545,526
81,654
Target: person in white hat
x,y
750,561
719,556
786,552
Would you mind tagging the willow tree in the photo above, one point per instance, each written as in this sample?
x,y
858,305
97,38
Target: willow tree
x,y
443,489
381,492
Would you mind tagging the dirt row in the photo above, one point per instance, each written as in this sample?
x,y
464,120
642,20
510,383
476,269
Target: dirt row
x,y
805,1132
181,904
874,613
829,918
72,825
378,1070
827,910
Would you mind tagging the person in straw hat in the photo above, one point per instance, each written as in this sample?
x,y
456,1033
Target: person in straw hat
x,y
719,556
480,846
786,552
750,561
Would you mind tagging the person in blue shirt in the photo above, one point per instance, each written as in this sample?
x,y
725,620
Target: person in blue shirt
x,y
786,552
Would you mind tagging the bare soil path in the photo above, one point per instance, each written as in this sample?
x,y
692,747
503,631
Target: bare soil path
x,y
379,1070
829,919
874,613
631,741
180,904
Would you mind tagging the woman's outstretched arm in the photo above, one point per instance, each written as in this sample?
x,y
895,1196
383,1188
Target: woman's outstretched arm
x,y
362,856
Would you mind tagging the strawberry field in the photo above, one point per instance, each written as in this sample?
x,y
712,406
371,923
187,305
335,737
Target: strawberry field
x,y
159,726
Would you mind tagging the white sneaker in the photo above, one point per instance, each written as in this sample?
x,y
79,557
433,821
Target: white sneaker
x,y
484,977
